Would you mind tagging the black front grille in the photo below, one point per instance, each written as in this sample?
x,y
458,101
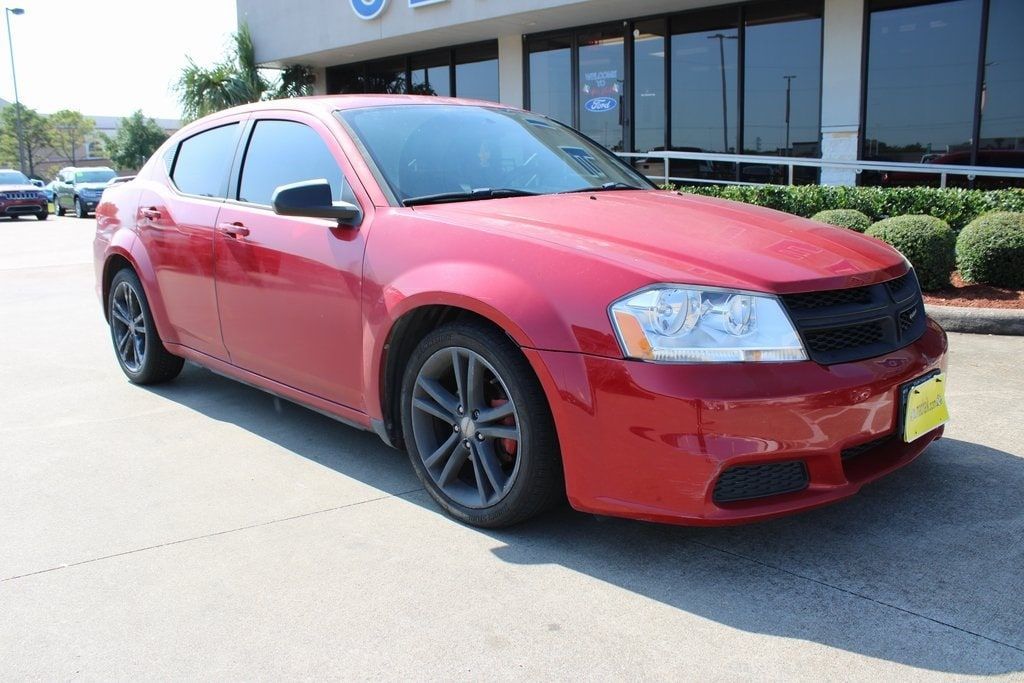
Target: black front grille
x,y
844,325
757,481
834,297
838,338
862,448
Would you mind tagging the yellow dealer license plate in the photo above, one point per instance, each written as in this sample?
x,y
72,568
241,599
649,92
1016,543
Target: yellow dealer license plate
x,y
924,406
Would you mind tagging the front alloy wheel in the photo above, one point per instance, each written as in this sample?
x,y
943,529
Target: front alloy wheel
x,y
79,209
478,428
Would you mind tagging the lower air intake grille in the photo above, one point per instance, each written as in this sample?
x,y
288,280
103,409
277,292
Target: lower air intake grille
x,y
861,449
757,481
838,338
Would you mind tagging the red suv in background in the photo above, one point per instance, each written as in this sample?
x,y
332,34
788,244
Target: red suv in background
x,y
19,197
521,311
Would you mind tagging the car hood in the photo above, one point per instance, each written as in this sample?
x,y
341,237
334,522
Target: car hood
x,y
91,186
20,188
674,237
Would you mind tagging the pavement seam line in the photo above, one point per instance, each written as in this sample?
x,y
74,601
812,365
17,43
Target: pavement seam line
x,y
210,535
855,594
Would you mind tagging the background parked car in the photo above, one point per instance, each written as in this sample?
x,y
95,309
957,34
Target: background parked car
x,y
80,189
19,197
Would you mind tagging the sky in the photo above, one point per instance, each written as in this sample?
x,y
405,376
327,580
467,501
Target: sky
x,y
110,57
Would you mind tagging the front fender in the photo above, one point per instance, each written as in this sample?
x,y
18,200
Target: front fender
x,y
507,299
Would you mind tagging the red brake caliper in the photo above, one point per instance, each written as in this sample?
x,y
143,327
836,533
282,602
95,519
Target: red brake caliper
x,y
509,445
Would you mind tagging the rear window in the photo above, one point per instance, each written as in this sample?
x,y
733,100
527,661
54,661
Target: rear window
x,y
204,161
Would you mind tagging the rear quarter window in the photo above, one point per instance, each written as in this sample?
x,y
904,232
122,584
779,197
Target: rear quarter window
x,y
204,161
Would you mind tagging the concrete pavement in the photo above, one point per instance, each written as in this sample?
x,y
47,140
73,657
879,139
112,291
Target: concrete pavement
x,y
204,529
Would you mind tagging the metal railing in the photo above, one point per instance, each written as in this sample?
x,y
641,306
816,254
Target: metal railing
x,y
791,163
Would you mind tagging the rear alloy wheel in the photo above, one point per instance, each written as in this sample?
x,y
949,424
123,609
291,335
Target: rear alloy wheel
x,y
478,429
79,209
140,352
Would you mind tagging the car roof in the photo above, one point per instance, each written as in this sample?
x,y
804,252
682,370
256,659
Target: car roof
x,y
329,103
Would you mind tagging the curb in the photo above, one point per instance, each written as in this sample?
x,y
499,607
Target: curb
x,y
978,320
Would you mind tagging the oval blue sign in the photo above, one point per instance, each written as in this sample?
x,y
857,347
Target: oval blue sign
x,y
368,9
600,104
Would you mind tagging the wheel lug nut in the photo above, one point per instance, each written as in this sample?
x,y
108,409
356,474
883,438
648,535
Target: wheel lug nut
x,y
456,428
461,410
465,443
479,436
476,414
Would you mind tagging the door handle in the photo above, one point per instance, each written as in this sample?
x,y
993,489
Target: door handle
x,y
235,230
151,213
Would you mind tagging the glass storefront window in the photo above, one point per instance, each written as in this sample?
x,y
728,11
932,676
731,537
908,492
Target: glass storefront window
x,y
476,72
386,76
704,72
602,81
921,81
550,76
648,86
430,75
1001,142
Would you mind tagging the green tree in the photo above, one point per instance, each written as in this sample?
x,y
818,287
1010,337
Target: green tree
x,y
136,140
37,132
238,79
70,129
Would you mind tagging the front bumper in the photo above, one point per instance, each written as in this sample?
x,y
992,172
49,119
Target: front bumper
x,y
23,207
650,441
90,203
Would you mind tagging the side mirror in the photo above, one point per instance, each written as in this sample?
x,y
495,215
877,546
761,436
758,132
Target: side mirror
x,y
313,199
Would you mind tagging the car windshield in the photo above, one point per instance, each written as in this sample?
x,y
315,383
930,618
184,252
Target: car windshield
x,y
93,176
13,178
458,152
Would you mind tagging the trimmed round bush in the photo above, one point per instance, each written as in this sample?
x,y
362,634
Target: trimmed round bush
x,y
990,250
927,242
844,218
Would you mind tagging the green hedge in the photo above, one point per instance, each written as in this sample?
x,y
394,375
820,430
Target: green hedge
x,y
990,250
955,206
844,218
926,241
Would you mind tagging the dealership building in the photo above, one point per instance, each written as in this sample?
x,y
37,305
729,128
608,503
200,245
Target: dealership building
x,y
885,80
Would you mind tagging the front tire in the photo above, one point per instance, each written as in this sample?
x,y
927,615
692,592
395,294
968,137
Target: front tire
x,y
478,429
80,211
137,345
42,216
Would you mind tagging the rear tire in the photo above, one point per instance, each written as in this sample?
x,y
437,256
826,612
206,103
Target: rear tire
x,y
484,446
137,345
57,208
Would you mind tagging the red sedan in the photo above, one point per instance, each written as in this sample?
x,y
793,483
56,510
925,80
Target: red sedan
x,y
522,312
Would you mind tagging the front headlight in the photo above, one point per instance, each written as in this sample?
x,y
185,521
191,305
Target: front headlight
x,y
677,324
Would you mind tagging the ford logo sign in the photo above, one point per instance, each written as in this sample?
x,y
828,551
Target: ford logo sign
x,y
599,104
368,9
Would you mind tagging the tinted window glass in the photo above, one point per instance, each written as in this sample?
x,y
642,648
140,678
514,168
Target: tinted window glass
x,y
602,80
551,78
13,178
476,72
204,161
1002,95
431,75
282,152
649,86
921,81
704,64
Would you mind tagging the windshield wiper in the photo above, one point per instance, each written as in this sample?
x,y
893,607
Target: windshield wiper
x,y
470,195
607,187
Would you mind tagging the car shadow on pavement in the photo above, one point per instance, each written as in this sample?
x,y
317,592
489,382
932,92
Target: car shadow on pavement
x,y
924,568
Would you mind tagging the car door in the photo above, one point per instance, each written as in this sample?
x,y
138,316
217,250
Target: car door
x,y
176,219
288,288
62,188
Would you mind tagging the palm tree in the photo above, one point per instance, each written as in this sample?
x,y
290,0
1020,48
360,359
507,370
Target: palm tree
x,y
238,79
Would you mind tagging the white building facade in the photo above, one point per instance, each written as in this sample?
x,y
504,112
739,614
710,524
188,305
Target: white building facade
x,y
884,80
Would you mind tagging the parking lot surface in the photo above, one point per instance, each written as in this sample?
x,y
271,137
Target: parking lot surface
x,y
205,529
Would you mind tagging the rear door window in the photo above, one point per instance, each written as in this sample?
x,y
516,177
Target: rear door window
x,y
204,161
283,152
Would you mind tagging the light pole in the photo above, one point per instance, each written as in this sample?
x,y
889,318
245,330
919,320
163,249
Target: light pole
x,y
721,37
8,11
789,89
